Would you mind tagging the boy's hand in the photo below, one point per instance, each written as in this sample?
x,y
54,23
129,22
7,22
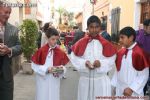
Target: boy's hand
x,y
55,74
96,64
60,70
127,92
89,65
56,70
50,69
113,91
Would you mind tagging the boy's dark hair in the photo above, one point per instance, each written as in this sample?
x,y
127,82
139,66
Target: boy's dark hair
x,y
51,32
45,27
75,27
128,31
146,22
93,19
63,34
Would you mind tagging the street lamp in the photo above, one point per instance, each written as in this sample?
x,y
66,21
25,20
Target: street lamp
x,y
93,2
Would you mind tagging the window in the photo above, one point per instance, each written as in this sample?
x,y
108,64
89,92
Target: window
x,y
145,11
115,21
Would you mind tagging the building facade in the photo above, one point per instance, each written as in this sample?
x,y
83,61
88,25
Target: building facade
x,y
117,14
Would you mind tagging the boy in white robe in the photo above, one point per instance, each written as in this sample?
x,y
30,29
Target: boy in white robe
x,y
132,66
48,63
93,57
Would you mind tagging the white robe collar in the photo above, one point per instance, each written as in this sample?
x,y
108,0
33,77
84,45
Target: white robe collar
x,y
131,47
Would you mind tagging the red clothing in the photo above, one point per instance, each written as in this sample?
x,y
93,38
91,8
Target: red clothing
x,y
59,57
72,33
140,59
79,48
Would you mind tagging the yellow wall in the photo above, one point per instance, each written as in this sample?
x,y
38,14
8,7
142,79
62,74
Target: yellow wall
x,y
126,15
103,6
127,11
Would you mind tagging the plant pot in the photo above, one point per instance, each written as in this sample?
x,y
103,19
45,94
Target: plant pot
x,y
26,67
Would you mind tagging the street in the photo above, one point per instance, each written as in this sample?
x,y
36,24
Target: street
x,y
24,86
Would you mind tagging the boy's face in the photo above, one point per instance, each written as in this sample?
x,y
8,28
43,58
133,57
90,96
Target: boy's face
x,y
53,40
125,40
94,28
62,41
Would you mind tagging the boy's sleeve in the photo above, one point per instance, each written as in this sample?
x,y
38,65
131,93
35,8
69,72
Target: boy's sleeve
x,y
139,82
79,63
106,64
39,69
114,80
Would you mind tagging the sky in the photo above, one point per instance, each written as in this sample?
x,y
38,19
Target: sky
x,y
70,5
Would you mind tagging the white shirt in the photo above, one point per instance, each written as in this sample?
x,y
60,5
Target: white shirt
x,y
129,77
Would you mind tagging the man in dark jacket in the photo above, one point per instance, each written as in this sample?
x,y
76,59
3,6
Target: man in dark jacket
x,y
9,47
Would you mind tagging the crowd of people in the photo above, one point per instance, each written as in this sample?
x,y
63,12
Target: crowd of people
x,y
91,53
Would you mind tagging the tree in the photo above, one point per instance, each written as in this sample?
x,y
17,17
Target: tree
x,y
60,10
70,16
28,37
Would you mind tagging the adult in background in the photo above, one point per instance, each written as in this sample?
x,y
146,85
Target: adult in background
x,y
44,38
39,38
143,39
104,33
75,28
77,35
143,36
9,47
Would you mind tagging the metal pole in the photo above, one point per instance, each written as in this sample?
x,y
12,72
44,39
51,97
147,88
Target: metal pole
x,y
92,8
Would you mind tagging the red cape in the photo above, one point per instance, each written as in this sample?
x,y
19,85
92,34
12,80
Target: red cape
x,y
59,57
140,59
79,47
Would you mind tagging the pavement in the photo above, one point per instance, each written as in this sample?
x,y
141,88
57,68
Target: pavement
x,y
24,86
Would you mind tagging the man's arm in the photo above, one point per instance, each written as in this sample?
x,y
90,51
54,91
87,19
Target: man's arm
x,y
13,48
16,49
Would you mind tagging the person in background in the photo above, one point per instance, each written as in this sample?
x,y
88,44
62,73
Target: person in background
x,y
141,26
104,33
77,36
10,47
62,44
63,34
143,39
68,33
75,28
39,38
143,36
63,48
